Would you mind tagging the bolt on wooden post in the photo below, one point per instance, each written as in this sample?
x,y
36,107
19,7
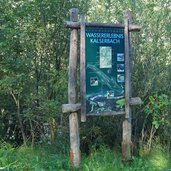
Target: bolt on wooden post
x,y
73,117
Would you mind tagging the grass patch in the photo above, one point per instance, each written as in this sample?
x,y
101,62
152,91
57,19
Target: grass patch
x,y
41,158
48,158
108,160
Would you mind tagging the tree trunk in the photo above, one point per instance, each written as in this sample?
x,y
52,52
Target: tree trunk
x,y
17,102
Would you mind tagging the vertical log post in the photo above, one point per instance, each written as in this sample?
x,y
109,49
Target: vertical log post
x,y
127,129
73,118
82,69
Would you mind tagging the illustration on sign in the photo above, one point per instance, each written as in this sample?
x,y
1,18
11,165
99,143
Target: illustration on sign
x,y
105,70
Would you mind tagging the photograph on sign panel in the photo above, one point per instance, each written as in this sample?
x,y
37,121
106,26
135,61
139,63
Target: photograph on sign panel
x,y
120,67
110,94
105,57
120,78
94,81
120,56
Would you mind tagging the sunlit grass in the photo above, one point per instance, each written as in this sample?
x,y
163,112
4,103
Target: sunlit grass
x,y
106,159
160,160
48,158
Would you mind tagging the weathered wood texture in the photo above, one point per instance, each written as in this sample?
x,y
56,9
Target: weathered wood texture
x,y
135,101
127,67
73,118
75,155
127,129
107,114
77,25
82,70
69,108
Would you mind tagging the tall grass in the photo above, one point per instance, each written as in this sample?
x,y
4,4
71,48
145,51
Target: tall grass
x,y
41,158
48,158
108,160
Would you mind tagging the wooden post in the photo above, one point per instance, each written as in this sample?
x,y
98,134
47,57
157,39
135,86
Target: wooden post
x,y
127,128
82,69
73,118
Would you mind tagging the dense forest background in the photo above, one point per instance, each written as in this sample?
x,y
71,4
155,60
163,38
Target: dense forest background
x,y
34,52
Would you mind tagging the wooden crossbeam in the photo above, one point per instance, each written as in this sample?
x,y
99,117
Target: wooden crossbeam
x,y
76,25
69,108
135,101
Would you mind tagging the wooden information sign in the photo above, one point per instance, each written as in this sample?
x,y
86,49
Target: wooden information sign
x,y
105,77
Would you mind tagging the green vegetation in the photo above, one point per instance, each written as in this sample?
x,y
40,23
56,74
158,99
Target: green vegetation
x,y
34,50
105,159
29,159
48,158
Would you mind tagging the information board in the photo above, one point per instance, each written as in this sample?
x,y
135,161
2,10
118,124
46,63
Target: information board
x,y
105,70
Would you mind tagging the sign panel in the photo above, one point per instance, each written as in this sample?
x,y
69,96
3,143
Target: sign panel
x,y
105,70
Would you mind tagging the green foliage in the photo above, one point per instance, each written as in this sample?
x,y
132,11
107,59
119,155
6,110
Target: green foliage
x,y
33,81
158,109
100,131
33,66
